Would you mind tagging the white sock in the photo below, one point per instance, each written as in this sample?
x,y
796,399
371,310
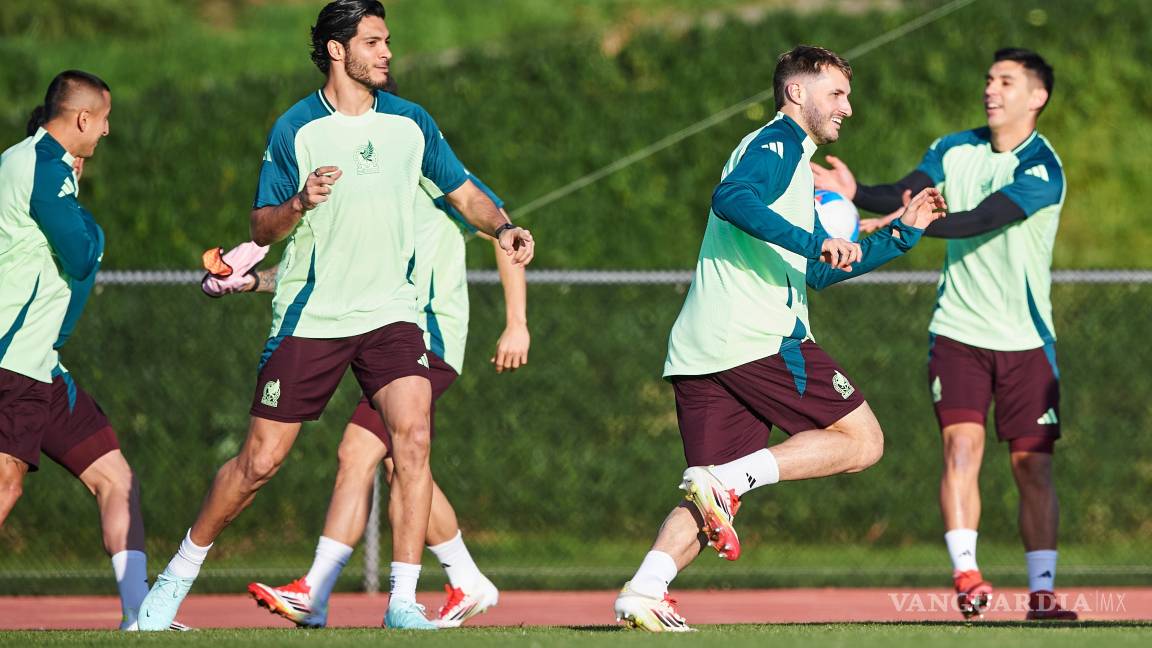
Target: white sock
x,y
457,562
1041,570
187,561
404,578
753,471
131,569
655,575
962,548
331,556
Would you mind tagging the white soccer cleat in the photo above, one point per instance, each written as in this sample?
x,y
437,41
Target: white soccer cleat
x,y
647,613
463,605
717,506
292,601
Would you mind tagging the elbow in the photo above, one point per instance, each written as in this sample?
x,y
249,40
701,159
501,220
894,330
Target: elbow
x,y
258,233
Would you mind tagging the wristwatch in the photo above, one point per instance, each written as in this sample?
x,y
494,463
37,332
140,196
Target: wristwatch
x,y
500,230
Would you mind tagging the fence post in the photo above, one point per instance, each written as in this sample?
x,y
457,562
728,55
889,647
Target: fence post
x,y
372,541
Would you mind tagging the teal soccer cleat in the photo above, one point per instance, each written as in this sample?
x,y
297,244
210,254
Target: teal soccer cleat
x,y
404,614
159,608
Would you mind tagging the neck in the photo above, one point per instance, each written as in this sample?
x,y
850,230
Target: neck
x,y
1009,136
349,97
62,135
793,111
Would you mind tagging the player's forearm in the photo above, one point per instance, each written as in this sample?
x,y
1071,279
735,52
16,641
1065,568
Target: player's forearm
x,y
744,209
275,222
477,208
994,212
514,281
876,250
266,280
887,198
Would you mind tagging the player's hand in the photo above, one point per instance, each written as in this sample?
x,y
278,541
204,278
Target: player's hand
x,y
318,187
840,254
926,207
78,167
517,243
869,225
838,178
512,348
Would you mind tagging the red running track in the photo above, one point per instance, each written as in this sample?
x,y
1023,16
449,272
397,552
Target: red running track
x,y
595,608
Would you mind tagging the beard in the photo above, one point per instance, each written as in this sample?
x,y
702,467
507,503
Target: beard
x,y
819,124
361,72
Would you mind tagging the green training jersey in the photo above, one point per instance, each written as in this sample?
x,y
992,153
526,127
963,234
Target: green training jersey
x,y
348,266
46,240
994,291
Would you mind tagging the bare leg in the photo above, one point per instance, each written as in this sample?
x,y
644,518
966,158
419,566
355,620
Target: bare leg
x,y
1039,508
959,483
442,523
359,454
405,404
849,445
238,480
12,471
680,535
117,493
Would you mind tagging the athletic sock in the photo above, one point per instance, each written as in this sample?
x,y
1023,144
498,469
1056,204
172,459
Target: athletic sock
x,y
331,556
962,548
752,471
404,578
656,573
187,561
131,570
457,562
1041,570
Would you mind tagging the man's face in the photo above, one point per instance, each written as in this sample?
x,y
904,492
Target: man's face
x,y
1011,95
366,60
826,105
96,124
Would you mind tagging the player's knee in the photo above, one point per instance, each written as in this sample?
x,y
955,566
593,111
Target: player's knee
x,y
1032,469
114,483
11,489
259,468
871,442
357,456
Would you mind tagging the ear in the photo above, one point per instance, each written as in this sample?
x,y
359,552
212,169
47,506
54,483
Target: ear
x,y
83,119
335,50
1037,98
795,92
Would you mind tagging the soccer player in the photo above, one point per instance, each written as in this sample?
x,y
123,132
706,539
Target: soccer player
x,y
741,356
441,283
991,332
42,224
340,175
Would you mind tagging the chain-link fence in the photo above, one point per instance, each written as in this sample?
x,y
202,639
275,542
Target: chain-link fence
x,y
561,472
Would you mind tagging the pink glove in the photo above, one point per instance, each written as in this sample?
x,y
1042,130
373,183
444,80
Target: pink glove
x,y
228,271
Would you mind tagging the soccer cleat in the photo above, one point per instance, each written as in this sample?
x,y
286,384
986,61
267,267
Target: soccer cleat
x,y
648,613
1042,606
717,505
158,610
462,605
128,622
973,594
406,614
292,601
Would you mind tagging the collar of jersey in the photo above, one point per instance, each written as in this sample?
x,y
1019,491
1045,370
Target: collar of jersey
x,y
332,112
55,145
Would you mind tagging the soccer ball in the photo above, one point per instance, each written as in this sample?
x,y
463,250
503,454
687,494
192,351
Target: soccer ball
x,y
838,215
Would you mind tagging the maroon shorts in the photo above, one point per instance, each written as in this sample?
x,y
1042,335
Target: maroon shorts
x,y
728,415
78,433
442,376
964,380
299,375
23,416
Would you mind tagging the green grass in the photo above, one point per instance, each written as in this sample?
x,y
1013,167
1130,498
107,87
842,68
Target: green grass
x,y
861,635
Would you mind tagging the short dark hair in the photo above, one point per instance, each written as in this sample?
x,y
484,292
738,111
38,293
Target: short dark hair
x,y
804,60
60,90
1032,62
338,21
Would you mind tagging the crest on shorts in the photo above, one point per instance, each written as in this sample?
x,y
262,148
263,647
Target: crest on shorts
x,y
271,396
842,385
423,360
937,390
366,161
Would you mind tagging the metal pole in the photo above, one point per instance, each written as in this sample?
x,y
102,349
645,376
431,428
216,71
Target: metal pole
x,y
372,541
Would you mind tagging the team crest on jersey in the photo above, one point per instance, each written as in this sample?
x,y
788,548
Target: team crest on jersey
x,y
366,161
842,385
271,396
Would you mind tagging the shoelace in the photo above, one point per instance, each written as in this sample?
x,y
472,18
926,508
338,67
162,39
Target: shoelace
x,y
672,604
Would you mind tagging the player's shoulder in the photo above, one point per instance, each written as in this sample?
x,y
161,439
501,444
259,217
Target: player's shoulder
x,y
971,137
19,156
1038,150
389,104
782,129
309,109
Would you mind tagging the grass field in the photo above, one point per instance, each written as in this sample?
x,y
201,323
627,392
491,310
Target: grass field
x,y
880,635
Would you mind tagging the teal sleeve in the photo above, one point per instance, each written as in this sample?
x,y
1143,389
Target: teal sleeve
x,y
878,249
71,231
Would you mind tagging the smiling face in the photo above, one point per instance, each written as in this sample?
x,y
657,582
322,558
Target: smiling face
x,y
825,104
367,57
1012,96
